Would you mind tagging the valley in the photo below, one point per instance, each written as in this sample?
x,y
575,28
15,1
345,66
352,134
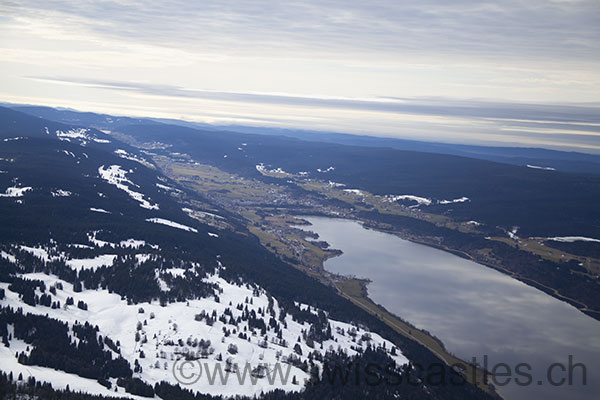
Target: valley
x,y
225,197
270,207
308,200
113,274
273,212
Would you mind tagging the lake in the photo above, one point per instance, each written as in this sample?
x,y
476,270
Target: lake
x,y
475,310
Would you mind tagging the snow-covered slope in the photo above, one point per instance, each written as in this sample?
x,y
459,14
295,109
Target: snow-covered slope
x,y
116,281
240,327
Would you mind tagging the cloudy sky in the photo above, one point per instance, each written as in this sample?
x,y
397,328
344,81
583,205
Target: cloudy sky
x,y
503,72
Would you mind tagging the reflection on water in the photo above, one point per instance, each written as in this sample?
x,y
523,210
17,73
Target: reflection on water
x,y
473,309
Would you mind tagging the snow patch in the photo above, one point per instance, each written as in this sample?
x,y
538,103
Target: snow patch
x,y
325,170
197,214
264,170
97,242
141,258
133,243
420,200
538,167
176,271
12,259
118,177
165,187
129,243
81,134
41,253
570,239
172,224
132,157
354,191
335,184
61,193
92,263
15,191
100,210
58,379
459,200
80,246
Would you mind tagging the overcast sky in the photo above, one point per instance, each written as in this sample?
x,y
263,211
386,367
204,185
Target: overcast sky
x,y
501,72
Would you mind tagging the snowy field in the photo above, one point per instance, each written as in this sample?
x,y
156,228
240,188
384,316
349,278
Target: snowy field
x,y
161,337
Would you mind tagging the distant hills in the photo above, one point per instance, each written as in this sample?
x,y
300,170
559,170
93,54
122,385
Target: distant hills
x,y
565,161
501,191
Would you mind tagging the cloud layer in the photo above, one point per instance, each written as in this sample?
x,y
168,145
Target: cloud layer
x,y
393,68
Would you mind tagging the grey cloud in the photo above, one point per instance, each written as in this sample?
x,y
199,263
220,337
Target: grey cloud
x,y
574,117
485,122
508,29
529,48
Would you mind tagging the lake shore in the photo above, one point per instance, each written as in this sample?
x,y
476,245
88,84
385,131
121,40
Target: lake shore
x,y
489,302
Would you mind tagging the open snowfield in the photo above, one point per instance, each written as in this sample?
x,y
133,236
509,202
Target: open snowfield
x,y
167,334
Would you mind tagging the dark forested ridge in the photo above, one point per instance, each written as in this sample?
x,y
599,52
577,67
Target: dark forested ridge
x,y
565,161
541,203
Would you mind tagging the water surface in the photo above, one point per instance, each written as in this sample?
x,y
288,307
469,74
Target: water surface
x,y
473,309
